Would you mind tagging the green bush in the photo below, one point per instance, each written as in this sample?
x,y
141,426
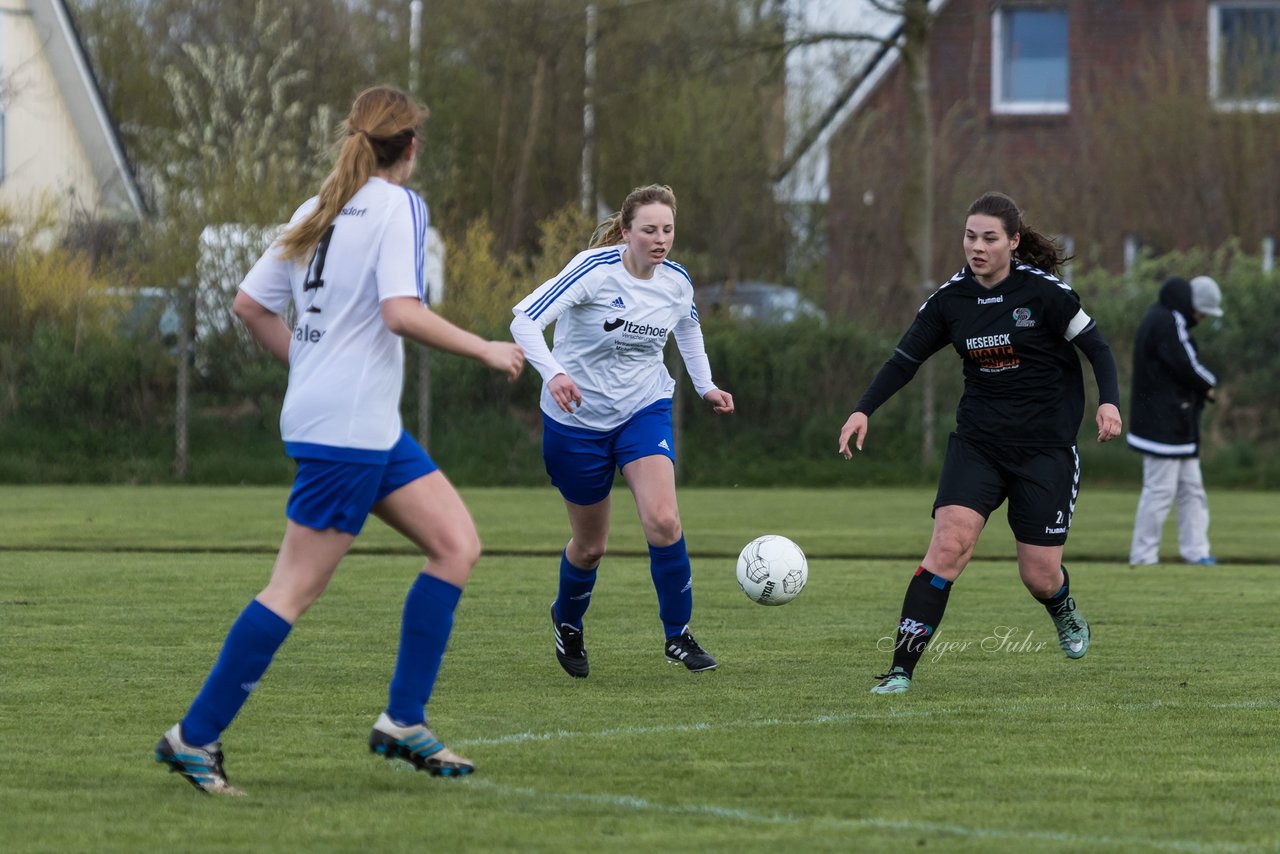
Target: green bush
x,y
84,402
1241,431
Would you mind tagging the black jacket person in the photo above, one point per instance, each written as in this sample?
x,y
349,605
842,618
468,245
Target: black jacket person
x,y
1170,387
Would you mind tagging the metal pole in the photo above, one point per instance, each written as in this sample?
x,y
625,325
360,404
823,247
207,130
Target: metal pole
x,y
186,298
415,42
589,116
424,352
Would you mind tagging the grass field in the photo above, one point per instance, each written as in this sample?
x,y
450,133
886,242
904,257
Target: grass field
x,y
114,600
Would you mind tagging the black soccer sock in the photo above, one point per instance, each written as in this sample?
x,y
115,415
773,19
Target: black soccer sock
x,y
1059,601
922,609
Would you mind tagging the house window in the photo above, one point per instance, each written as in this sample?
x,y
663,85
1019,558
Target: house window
x,y
1244,55
1029,63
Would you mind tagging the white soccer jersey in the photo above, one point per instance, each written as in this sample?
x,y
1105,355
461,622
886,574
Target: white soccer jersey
x,y
610,332
346,368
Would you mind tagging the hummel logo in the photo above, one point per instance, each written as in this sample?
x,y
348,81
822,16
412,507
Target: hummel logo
x,y
663,444
610,325
618,303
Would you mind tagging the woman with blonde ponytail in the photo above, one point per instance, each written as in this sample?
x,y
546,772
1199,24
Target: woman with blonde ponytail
x,y
606,405
350,265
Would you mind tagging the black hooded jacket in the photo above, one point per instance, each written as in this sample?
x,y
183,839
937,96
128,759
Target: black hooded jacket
x,y
1169,383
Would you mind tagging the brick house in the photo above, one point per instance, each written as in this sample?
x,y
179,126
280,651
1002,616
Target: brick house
x,y
1116,125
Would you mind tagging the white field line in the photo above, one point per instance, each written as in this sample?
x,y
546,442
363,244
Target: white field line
x,y
642,805
634,804
845,717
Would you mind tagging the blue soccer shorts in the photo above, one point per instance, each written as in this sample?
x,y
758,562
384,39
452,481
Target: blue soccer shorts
x,y
333,490
582,462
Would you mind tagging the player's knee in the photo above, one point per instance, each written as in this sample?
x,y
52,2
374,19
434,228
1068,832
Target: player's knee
x,y
953,549
590,554
462,550
663,528
1042,585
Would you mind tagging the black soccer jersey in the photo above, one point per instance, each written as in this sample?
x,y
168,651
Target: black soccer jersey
x,y
1022,379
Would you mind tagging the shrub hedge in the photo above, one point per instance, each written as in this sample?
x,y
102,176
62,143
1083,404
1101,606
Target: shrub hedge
x,y
83,402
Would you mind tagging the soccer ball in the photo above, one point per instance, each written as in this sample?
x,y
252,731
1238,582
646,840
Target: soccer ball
x,y
772,570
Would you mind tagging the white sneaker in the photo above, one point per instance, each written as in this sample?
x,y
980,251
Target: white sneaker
x,y
199,766
418,746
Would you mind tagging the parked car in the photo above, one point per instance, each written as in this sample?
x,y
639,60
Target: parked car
x,y
763,302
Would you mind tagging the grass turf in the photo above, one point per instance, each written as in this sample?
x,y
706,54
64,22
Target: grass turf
x,y
1162,738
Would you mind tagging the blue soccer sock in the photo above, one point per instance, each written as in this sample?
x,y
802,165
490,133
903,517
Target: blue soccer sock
x,y
574,596
424,634
246,653
673,579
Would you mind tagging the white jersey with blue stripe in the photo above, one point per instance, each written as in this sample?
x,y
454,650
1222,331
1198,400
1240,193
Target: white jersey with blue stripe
x,y
346,368
611,329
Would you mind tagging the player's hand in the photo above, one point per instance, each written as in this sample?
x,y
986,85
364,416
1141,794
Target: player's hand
x,y
564,392
504,357
855,428
721,401
1108,422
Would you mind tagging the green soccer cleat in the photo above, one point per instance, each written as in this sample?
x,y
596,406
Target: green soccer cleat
x,y
1073,630
896,681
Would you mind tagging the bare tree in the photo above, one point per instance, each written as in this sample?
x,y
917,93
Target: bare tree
x,y
916,201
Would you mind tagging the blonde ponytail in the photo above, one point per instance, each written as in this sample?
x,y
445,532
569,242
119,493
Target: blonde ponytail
x,y
374,135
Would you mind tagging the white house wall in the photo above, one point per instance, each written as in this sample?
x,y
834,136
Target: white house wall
x,y
59,143
43,155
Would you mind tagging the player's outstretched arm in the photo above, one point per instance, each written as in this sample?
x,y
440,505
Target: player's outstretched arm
x,y
1098,352
408,318
855,427
892,376
1109,425
721,401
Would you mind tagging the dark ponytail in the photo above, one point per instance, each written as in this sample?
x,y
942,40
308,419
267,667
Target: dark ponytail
x,y
1034,248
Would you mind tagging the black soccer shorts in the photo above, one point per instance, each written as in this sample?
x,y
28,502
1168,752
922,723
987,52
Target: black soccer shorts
x,y
1041,485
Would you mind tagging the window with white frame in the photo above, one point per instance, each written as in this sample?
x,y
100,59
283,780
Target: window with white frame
x,y
1030,67
1244,55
